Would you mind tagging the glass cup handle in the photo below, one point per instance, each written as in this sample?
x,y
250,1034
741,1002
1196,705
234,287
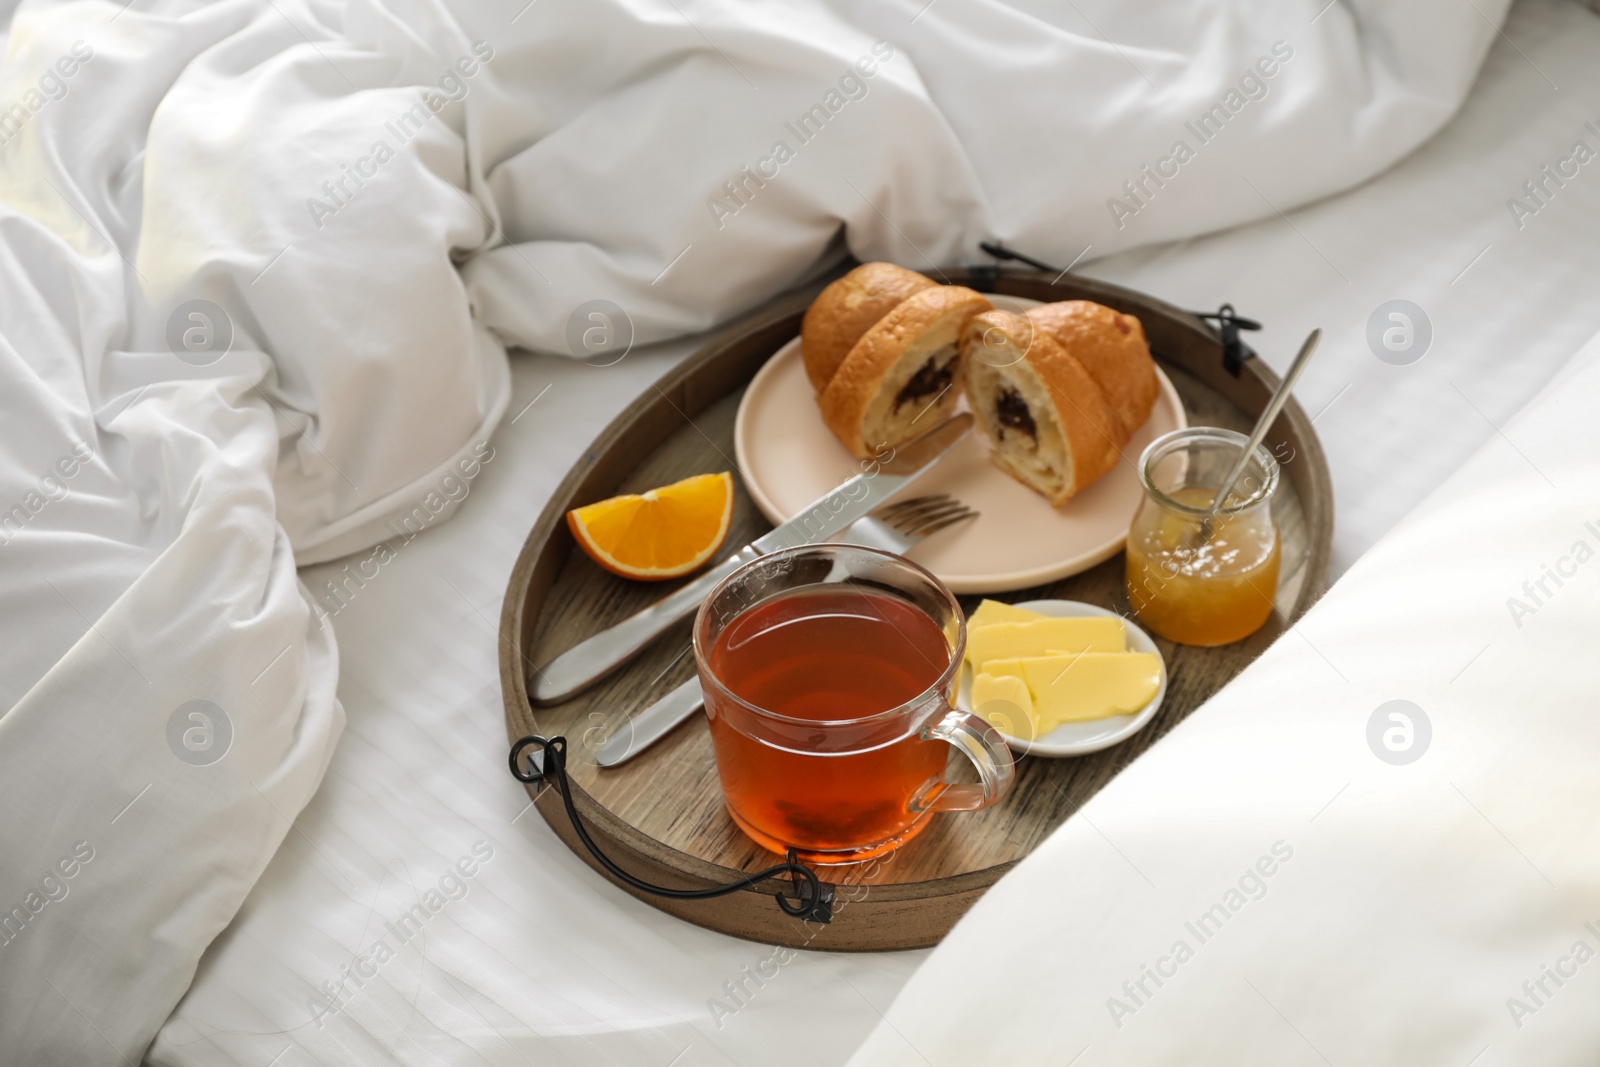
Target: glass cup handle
x,y
984,748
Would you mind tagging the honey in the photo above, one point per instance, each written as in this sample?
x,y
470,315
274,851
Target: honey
x,y
1194,580
1213,593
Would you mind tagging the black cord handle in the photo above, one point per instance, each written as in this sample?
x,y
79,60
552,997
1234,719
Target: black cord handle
x,y
813,899
1225,315
1229,322
1001,252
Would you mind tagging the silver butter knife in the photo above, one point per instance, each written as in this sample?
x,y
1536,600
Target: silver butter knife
x,y
895,528
591,659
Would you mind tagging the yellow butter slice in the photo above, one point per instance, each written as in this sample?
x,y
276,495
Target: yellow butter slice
x,y
1092,685
992,611
1038,637
1012,668
1006,703
1053,660
1003,668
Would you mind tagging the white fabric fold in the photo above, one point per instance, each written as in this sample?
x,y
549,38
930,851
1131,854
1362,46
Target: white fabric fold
x,y
1376,844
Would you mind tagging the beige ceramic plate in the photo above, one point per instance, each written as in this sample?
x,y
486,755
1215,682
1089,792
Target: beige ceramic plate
x,y
789,459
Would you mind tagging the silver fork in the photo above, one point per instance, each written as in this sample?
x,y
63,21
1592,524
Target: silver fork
x,y
899,527
896,528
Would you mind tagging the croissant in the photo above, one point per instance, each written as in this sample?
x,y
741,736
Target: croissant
x,y
901,377
1112,348
1058,391
848,308
1048,421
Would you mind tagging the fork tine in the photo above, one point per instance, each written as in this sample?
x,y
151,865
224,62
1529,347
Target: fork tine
x,y
937,519
947,521
913,521
925,503
910,519
917,517
922,518
911,504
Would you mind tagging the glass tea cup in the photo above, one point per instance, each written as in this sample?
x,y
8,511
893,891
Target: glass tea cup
x,y
828,673
1193,580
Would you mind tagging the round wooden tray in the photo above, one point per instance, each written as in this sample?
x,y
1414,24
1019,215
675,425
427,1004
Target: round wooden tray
x,y
661,817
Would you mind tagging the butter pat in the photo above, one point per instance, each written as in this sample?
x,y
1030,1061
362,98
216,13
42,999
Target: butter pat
x,y
1005,702
1092,685
1012,668
992,611
1035,672
1005,668
1041,636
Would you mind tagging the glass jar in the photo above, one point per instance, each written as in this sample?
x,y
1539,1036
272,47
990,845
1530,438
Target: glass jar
x,y
1197,582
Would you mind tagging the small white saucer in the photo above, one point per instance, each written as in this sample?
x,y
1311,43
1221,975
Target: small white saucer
x,y
1081,738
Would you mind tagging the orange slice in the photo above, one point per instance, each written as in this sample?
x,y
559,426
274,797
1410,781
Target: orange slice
x,y
663,533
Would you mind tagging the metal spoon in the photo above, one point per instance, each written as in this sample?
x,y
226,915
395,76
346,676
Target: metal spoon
x,y
1268,415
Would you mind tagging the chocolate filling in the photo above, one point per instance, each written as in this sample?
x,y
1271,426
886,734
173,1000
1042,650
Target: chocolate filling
x,y
928,381
1011,410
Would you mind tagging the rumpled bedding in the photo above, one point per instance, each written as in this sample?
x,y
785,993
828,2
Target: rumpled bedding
x,y
263,259
1376,845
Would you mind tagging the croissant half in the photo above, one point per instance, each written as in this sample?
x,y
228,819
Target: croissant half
x,y
1048,422
1112,348
901,377
846,310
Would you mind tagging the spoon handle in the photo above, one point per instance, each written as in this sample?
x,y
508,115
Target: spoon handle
x,y
1268,416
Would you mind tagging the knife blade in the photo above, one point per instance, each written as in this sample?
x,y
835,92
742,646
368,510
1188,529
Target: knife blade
x,y
591,659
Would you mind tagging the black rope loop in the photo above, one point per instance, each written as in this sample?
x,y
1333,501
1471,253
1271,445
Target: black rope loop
x,y
1229,322
1225,316
1001,252
813,901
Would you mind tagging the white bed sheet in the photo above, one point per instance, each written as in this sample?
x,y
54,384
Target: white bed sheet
x,y
539,961
1375,846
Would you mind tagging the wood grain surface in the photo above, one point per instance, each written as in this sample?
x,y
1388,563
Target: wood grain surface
x,y
661,816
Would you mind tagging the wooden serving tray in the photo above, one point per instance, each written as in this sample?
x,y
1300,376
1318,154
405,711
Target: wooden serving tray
x,y
661,816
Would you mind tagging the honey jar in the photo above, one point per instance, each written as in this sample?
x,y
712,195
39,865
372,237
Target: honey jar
x,y
1193,577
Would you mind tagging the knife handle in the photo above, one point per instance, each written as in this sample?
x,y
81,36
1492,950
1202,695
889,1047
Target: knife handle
x,y
593,658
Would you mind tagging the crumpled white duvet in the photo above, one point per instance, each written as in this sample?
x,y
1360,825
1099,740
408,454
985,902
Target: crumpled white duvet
x,y
261,260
